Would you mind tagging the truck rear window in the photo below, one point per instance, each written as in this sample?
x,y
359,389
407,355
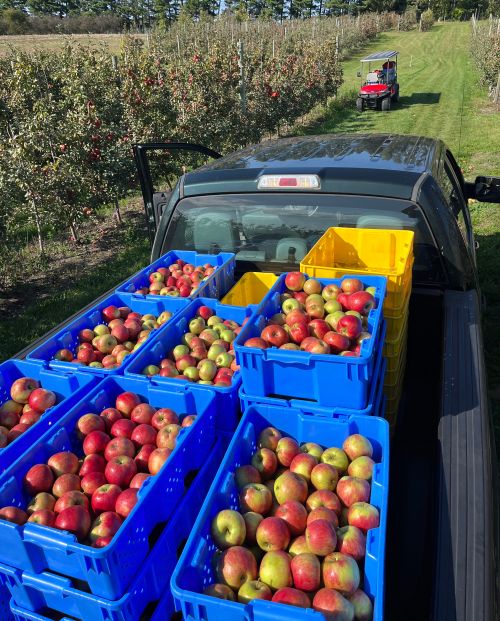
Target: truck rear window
x,y
273,232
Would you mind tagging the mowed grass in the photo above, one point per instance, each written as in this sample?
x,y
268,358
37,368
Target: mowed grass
x,y
440,97
52,42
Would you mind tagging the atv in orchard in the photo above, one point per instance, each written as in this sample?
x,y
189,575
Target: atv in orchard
x,y
381,84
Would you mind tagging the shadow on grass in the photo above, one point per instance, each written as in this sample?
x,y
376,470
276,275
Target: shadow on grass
x,y
420,98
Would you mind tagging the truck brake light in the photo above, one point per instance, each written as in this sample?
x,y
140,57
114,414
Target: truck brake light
x,y
284,182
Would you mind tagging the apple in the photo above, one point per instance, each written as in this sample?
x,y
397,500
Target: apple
x,y
41,399
76,520
256,342
92,463
125,502
107,524
110,312
22,388
296,316
362,302
142,414
315,346
157,458
252,521
356,446
86,335
143,434
333,605
42,500
332,306
39,478
188,420
71,499
90,482
323,513
123,428
265,461
269,438
343,298
363,607
323,498
90,422
294,281
246,474
138,480
324,476
167,436
298,546
337,342
318,328
254,589
320,537
341,572
13,514
142,457
336,457
104,498
306,571
275,569
351,490
221,591
235,566
311,448
63,355
4,437
106,343
66,483
286,449
349,326
110,416
299,331
126,402
351,541
292,597
363,515
64,462
95,442
290,305
290,486
351,285
228,529
164,417
274,335
361,468
12,407
44,517
255,497
295,516
117,447
16,431
100,330
330,292
332,319
303,464
120,470
273,534
30,417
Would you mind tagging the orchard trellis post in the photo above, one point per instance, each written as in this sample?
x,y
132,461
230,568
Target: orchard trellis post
x,y
241,65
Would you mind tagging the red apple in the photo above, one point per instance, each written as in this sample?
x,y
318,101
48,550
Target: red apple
x,y
273,534
235,566
298,546
90,482
92,463
292,597
341,572
71,499
126,402
106,524
64,462
157,458
42,500
333,605
269,438
337,342
321,538
104,498
110,416
295,516
323,513
315,346
324,476
286,449
303,464
44,517
266,462
39,478
117,447
356,446
95,442
363,515
22,388
164,417
138,480
295,281
246,474
362,302
123,428
90,422
274,335
351,541
351,285
324,498
13,514
9,419
351,490
74,519
290,486
66,483
349,326
142,414
306,571
275,569
126,501
252,521
255,497
250,590
120,470
299,331
41,399
255,341
363,607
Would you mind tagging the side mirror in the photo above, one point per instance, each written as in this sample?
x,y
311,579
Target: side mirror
x,y
359,74
484,189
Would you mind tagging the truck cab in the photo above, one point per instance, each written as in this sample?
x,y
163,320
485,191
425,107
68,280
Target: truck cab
x,y
269,203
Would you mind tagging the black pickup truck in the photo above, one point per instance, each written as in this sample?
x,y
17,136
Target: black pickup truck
x,y
269,203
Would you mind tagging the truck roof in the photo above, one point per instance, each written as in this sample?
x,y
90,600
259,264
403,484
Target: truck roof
x,y
372,164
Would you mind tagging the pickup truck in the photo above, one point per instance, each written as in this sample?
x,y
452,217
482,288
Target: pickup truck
x,y
269,203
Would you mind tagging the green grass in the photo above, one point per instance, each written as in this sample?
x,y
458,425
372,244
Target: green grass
x,y
54,42
440,97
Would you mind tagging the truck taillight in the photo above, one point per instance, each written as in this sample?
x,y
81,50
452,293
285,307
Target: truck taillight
x,y
286,182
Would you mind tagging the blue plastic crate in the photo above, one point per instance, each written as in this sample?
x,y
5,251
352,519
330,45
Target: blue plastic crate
x,y
162,344
195,571
375,407
46,592
5,613
327,379
108,571
215,286
69,389
67,337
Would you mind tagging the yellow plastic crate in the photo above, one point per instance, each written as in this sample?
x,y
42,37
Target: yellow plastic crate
x,y
250,289
393,362
393,382
393,347
395,325
385,252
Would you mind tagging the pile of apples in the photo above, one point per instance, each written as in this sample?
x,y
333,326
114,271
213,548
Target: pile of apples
x,y
92,495
317,319
25,407
107,344
300,535
206,355
180,279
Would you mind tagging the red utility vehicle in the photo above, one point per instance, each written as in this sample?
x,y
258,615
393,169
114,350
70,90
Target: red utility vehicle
x,y
381,84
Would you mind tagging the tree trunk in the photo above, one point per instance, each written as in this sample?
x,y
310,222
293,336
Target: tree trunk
x,y
38,227
118,215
